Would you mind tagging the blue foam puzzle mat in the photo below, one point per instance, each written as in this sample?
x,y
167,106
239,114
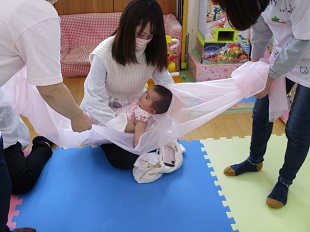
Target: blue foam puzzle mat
x,y
80,191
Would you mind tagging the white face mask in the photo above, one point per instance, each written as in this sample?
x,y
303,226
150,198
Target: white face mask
x,y
52,1
141,43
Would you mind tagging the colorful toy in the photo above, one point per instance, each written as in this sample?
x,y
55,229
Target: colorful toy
x,y
217,42
170,54
224,53
171,65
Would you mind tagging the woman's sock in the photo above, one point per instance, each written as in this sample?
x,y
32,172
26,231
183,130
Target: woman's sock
x,y
245,166
278,197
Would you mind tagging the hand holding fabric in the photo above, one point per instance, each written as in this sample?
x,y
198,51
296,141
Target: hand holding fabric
x,y
81,123
266,91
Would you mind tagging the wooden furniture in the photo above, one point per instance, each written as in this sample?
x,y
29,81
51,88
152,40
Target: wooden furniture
x,y
84,24
64,7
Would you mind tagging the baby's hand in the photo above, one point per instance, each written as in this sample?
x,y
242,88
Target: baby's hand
x,y
139,130
130,127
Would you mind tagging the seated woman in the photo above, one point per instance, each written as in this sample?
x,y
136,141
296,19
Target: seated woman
x,y
122,64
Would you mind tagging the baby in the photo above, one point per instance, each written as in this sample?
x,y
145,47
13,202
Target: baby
x,y
154,101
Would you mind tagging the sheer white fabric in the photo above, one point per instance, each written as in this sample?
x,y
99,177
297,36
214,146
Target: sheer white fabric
x,y
193,104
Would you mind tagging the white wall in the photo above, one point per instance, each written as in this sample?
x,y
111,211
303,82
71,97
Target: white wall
x,y
192,22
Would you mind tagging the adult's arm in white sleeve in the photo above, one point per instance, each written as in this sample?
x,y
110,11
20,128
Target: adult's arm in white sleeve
x,y
289,56
260,37
43,71
96,98
162,78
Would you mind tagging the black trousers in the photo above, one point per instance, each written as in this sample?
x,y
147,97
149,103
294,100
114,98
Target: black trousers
x,y
5,191
24,172
118,157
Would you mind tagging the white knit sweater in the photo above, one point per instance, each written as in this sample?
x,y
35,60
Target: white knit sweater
x,y
123,81
110,84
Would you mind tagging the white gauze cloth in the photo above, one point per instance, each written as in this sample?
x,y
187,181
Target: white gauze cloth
x,y
193,104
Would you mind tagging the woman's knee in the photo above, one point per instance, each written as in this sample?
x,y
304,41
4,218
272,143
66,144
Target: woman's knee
x,y
118,157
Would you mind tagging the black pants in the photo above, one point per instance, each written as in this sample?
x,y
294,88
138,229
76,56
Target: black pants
x,y
118,157
24,172
5,191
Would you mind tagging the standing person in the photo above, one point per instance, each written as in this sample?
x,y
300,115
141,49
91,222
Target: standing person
x,y
122,64
287,21
154,101
30,35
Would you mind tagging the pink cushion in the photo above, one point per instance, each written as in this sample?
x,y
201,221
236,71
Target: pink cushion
x,y
81,33
64,42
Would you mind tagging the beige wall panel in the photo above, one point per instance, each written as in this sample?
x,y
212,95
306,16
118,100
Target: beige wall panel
x,y
83,6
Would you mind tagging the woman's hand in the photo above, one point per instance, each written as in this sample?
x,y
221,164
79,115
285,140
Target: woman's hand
x,y
82,123
266,91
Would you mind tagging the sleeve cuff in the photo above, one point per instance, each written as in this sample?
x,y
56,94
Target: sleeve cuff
x,y
273,74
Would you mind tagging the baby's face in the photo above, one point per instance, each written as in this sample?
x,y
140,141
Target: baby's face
x,y
147,99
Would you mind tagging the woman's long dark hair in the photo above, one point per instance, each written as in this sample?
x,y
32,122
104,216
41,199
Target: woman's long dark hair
x,y
242,14
139,13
